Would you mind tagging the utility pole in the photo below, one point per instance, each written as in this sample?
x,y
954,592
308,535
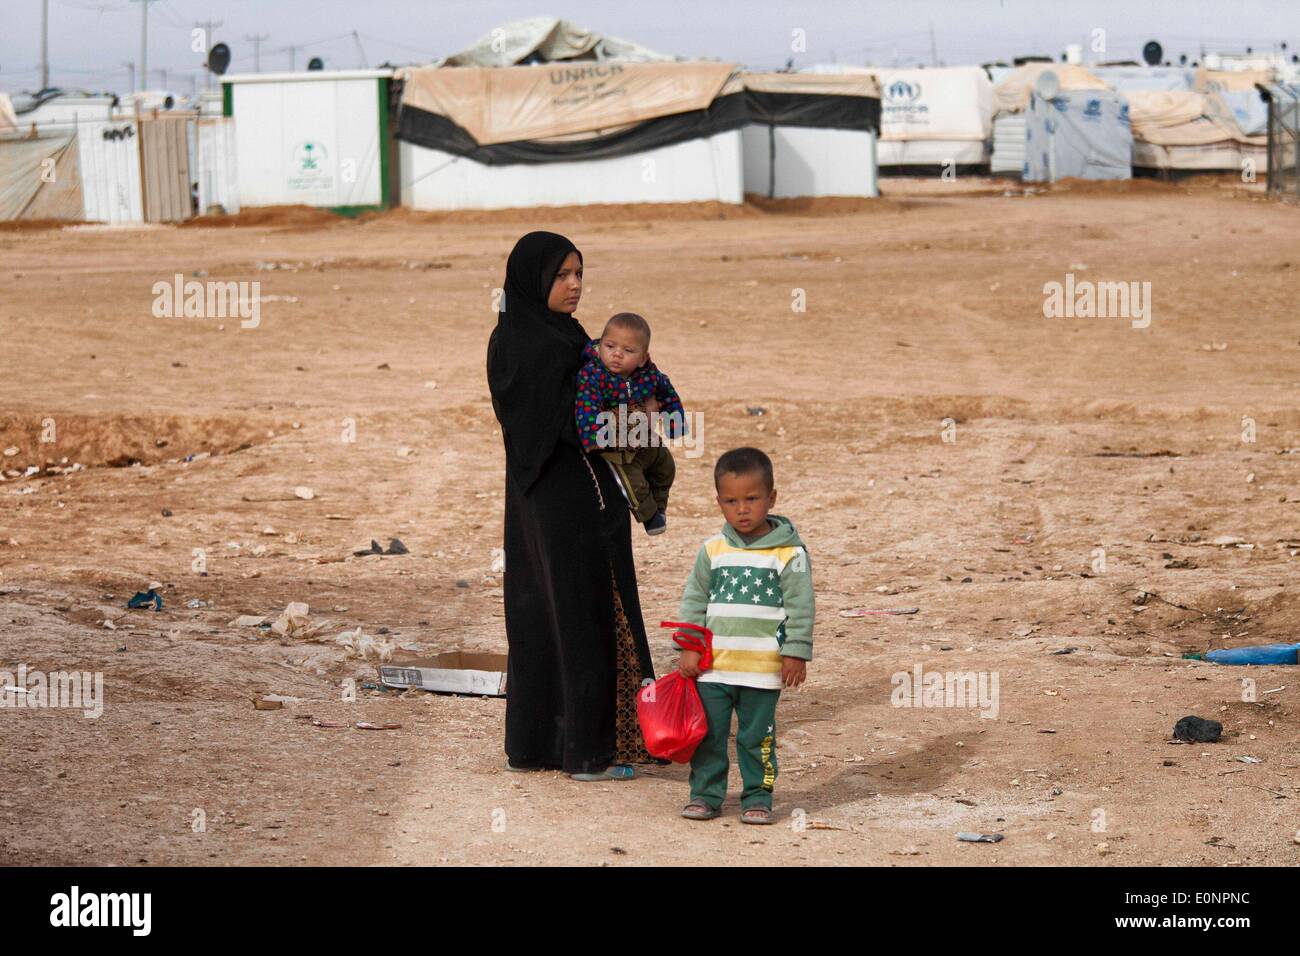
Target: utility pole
x,y
293,50
361,51
934,51
256,39
144,41
45,44
130,71
163,71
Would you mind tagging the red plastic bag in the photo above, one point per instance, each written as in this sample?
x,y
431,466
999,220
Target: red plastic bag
x,y
670,712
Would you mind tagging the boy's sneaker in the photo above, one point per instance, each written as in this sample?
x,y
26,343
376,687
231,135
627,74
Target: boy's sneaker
x,y
658,524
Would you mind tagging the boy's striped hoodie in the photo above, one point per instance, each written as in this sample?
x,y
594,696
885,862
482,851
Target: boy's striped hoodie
x,y
757,598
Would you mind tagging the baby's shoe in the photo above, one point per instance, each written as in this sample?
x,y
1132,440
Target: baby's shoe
x,y
658,524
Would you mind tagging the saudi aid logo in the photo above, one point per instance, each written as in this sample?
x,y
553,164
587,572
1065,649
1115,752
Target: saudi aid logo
x,y
309,167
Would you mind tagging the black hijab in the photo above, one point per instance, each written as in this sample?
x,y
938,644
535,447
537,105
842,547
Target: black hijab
x,y
533,356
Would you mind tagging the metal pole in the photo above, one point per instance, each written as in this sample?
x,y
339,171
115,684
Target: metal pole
x,y
144,41
256,39
45,44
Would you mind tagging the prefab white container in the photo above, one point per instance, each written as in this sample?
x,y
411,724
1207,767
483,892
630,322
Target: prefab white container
x,y
809,161
698,170
315,138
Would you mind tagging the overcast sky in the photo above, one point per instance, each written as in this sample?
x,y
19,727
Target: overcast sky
x,y
91,40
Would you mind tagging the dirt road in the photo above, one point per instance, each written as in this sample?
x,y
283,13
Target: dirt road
x,y
939,442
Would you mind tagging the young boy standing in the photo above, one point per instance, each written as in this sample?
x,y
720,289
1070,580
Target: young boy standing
x,y
751,586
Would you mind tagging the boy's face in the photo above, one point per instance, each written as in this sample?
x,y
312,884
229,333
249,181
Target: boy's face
x,y
622,351
745,501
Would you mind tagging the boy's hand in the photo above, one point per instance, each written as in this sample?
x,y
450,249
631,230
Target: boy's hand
x,y
793,671
651,405
689,665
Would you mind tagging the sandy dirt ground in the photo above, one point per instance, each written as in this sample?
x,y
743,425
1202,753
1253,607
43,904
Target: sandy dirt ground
x,y
1089,468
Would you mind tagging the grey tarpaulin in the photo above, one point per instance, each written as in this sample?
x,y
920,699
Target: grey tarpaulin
x,y
1080,134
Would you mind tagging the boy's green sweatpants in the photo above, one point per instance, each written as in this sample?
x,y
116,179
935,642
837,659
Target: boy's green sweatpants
x,y
755,744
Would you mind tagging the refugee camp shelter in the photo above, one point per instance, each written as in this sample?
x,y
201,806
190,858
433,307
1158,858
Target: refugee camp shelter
x,y
811,134
1081,134
935,117
570,134
1011,97
315,138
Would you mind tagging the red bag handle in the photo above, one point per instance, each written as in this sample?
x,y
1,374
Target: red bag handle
x,y
701,641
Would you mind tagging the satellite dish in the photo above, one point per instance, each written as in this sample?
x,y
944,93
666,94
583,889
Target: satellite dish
x,y
219,59
1152,52
1047,85
1182,59
315,63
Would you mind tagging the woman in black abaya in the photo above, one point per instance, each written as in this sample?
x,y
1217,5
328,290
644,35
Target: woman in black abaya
x,y
578,650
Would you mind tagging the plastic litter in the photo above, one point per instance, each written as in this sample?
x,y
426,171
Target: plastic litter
x,y
145,598
967,837
1257,654
1198,730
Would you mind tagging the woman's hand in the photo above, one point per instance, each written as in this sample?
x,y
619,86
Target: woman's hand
x,y
689,665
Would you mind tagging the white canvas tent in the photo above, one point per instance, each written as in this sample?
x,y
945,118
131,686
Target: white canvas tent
x,y
935,116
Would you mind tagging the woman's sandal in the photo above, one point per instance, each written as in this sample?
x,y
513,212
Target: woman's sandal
x,y
757,815
700,811
616,771
513,769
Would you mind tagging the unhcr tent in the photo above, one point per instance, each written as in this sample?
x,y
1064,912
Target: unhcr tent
x,y
929,117
1082,134
606,133
937,116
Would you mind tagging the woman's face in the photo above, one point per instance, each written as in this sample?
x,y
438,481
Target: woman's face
x,y
567,289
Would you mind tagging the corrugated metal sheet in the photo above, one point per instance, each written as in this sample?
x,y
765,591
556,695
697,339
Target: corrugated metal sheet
x,y
218,174
165,160
109,156
1008,143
